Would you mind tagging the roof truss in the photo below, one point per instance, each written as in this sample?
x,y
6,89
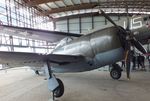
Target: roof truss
x,y
71,8
37,2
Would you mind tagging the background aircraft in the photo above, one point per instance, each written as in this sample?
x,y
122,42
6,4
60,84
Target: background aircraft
x,y
84,53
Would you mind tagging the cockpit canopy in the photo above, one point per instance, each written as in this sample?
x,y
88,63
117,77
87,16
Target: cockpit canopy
x,y
64,41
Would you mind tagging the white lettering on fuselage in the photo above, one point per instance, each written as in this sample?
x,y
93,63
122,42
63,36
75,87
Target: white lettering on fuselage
x,y
134,23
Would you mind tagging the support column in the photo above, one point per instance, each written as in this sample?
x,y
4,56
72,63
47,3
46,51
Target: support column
x,y
80,27
54,25
47,47
68,30
33,46
11,43
105,21
92,22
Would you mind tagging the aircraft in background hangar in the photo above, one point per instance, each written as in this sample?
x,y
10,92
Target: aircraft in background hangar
x,y
84,53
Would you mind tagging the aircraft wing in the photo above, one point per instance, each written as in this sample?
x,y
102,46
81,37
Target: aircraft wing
x,y
18,59
37,34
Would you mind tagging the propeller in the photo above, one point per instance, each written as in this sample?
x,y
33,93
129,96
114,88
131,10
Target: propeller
x,y
128,45
127,39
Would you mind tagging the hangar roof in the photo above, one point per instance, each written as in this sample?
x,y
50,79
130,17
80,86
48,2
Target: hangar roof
x,y
64,8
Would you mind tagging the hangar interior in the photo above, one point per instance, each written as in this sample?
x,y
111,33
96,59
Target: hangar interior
x,y
69,16
75,16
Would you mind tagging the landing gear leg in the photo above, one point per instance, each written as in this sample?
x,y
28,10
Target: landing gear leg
x,y
115,72
54,84
53,96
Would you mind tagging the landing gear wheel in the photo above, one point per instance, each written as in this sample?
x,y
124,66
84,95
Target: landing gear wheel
x,y
115,74
59,91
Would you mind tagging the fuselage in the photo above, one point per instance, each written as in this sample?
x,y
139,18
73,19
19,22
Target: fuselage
x,y
89,45
100,48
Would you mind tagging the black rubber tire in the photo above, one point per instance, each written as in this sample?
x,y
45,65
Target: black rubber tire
x,y
115,74
59,91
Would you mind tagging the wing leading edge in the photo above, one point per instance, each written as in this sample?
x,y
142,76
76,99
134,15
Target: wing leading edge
x,y
38,34
18,59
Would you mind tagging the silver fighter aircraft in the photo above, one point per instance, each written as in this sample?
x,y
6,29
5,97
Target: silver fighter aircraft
x,y
79,53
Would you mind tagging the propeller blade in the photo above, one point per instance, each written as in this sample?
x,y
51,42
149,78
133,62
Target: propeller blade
x,y
108,18
127,61
139,46
128,22
128,55
128,58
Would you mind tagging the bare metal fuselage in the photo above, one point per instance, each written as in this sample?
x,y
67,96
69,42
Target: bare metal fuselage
x,y
100,48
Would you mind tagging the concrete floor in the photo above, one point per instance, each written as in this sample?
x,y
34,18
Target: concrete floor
x,y
24,85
